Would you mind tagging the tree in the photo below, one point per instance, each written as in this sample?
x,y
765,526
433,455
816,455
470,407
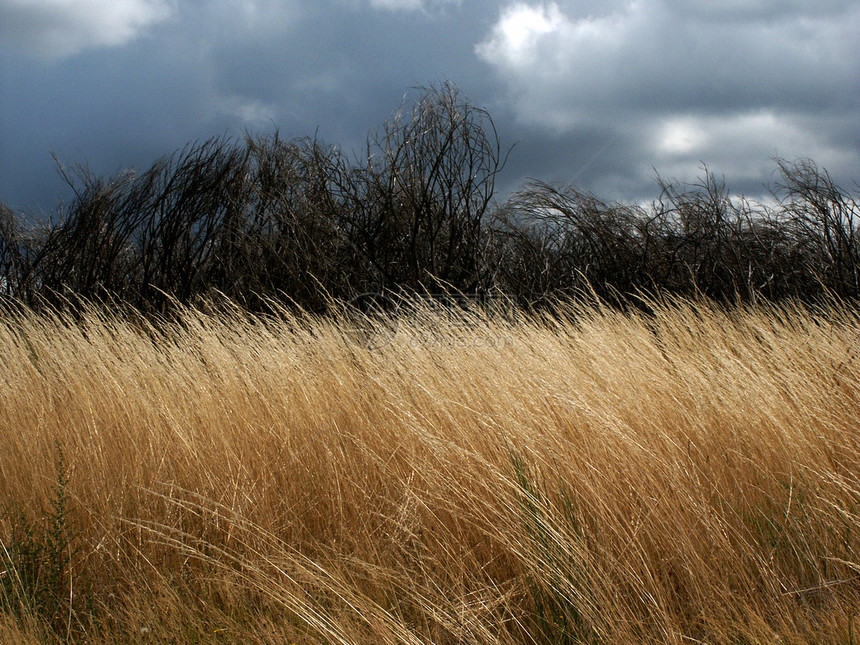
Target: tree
x,y
417,207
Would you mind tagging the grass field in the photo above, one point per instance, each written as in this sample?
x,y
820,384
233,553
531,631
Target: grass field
x,y
597,477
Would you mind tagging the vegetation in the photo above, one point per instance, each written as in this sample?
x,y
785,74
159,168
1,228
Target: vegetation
x,y
587,475
267,392
301,222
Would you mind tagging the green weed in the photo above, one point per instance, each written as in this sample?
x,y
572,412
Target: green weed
x,y
558,583
35,558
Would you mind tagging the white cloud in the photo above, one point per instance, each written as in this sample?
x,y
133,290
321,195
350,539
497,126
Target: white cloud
x,y
687,81
55,29
679,136
559,66
740,144
728,83
515,38
564,68
758,133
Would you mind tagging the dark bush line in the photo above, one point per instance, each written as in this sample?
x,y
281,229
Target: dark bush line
x,y
265,220
694,240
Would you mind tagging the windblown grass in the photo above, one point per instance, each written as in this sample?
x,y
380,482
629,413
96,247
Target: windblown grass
x,y
593,477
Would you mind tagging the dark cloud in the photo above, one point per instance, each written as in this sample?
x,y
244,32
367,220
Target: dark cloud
x,y
731,84
595,93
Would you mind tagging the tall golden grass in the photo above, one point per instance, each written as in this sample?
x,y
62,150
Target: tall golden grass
x,y
691,476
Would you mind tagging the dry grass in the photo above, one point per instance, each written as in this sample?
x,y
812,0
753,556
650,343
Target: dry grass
x,y
693,477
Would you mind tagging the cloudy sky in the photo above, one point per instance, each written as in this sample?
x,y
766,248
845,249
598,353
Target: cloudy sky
x,y
602,94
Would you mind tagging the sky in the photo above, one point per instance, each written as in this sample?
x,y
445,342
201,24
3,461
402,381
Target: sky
x,y
604,95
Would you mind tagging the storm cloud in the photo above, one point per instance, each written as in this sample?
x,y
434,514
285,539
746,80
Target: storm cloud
x,y
599,94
